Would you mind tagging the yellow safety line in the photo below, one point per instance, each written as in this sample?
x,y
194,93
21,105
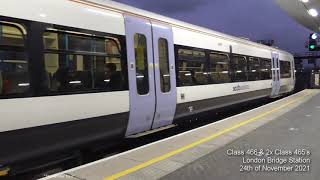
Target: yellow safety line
x,y
209,138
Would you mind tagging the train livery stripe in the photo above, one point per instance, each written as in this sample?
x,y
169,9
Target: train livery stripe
x,y
202,92
194,107
39,111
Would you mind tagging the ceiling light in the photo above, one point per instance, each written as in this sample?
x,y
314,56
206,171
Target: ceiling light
x,y
304,1
313,12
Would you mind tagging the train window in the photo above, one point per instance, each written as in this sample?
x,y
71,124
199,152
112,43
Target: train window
x,y
253,69
164,65
192,67
285,69
141,56
239,65
278,71
219,70
265,69
77,62
14,75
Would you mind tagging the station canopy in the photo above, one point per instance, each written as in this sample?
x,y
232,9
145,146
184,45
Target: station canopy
x,y
305,12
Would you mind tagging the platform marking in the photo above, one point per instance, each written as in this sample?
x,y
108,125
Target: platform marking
x,y
204,140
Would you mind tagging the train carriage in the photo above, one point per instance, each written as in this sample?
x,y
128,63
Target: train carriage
x,y
76,72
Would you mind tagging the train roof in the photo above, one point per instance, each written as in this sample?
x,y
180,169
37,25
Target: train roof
x,y
63,13
126,9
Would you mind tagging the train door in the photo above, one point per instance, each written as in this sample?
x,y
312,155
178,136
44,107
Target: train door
x,y
151,73
165,78
293,73
275,62
140,74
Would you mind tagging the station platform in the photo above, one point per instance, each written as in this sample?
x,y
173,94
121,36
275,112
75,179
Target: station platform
x,y
279,140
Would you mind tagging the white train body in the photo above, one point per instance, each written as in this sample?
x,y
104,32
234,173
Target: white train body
x,y
169,70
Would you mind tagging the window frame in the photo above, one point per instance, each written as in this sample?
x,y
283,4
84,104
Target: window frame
x,y
13,24
210,66
122,51
250,68
16,23
34,52
262,76
75,52
168,63
233,72
146,64
204,60
86,33
283,73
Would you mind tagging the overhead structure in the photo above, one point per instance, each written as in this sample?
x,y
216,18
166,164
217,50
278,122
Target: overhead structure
x,y
306,12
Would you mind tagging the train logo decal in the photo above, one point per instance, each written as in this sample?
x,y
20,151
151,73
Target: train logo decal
x,y
240,88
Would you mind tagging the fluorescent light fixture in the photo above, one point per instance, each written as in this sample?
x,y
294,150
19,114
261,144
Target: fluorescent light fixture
x,y
106,80
304,1
23,84
313,12
75,82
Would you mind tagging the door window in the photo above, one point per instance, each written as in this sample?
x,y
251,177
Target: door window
x,y
141,57
278,71
164,65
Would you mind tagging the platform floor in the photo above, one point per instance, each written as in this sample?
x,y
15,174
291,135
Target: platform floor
x,y
297,129
290,124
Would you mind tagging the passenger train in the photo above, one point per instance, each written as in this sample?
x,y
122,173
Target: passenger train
x,y
76,72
